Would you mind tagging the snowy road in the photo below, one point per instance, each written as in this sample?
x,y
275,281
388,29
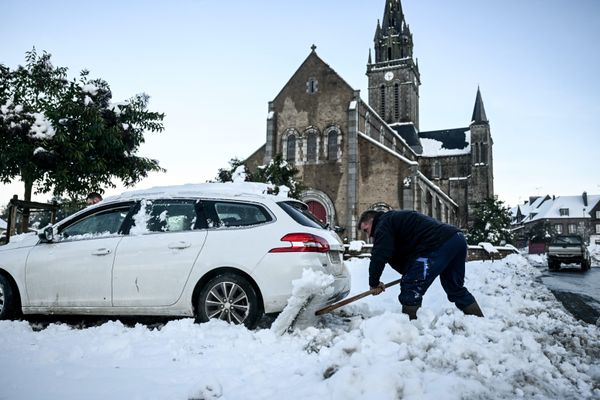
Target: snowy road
x,y
578,291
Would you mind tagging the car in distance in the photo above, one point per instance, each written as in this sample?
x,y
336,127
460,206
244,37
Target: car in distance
x,y
214,250
568,249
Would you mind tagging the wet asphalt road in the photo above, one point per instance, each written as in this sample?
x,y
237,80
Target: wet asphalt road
x,y
578,291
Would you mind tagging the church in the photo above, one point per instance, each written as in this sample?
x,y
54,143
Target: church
x,y
354,155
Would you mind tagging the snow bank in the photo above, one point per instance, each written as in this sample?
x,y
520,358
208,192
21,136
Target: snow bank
x,y
306,293
526,347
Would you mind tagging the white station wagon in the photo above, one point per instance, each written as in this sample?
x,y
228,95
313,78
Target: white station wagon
x,y
211,250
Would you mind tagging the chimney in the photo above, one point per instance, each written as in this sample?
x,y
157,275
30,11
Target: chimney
x,y
584,197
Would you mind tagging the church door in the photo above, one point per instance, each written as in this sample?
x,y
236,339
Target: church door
x,y
318,210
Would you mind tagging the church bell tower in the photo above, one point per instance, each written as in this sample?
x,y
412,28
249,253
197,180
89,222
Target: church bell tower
x,y
394,77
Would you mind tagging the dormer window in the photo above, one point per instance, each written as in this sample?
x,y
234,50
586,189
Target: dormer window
x,y
564,212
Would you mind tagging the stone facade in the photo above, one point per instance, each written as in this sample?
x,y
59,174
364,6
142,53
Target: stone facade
x,y
355,156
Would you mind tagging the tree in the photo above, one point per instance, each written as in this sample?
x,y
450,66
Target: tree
x,y
492,221
278,173
226,174
68,137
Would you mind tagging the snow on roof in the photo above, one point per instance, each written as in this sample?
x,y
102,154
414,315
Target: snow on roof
x,y
434,148
205,189
3,224
562,207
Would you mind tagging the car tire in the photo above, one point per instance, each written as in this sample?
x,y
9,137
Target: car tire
x,y
8,305
229,297
553,265
585,265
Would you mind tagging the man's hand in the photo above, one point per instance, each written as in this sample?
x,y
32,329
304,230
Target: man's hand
x,y
378,289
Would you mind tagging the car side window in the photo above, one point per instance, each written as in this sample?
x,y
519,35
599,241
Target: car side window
x,y
103,223
165,216
235,214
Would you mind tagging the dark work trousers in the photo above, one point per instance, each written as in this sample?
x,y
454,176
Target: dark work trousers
x,y
448,261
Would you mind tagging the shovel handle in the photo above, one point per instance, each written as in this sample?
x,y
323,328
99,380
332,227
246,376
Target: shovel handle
x,y
352,299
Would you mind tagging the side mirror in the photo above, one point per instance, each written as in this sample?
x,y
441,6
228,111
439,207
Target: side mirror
x,y
47,234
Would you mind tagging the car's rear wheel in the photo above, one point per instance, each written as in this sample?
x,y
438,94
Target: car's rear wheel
x,y
7,300
553,265
229,297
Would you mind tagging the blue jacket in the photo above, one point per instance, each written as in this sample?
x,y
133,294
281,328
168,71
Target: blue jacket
x,y
400,237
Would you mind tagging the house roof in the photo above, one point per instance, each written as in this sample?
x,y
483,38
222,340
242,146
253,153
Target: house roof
x,y
551,209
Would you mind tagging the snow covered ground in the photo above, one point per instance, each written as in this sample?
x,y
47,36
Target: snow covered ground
x,y
527,347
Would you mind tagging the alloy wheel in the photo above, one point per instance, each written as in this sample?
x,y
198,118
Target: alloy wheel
x,y
227,301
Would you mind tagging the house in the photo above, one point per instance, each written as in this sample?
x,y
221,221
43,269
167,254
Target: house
x,y
543,217
355,155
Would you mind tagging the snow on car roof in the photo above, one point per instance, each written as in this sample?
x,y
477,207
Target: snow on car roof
x,y
212,189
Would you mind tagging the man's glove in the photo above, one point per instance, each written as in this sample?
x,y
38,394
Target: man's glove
x,y
378,289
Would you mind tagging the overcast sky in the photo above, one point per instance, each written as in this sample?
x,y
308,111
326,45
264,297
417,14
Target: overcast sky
x,y
212,66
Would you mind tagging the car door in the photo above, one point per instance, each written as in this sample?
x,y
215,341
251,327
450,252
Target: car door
x,y
154,261
75,269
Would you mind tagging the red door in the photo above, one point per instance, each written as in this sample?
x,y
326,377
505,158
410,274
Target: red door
x,y
317,210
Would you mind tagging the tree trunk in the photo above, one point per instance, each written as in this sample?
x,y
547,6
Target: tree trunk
x,y
25,215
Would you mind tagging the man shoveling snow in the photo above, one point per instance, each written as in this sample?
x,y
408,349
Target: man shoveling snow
x,y
421,249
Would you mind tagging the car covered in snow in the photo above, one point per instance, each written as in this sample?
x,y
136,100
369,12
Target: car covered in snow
x,y
226,251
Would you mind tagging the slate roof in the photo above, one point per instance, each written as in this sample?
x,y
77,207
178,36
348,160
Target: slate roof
x,y
452,139
409,133
551,208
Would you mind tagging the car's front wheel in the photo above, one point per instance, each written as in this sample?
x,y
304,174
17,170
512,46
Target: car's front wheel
x,y
229,297
585,265
8,307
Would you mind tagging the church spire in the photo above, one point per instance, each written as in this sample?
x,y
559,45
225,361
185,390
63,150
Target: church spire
x,y
479,116
393,40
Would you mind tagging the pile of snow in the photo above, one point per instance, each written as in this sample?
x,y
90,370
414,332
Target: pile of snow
x,y
594,250
306,293
356,246
527,347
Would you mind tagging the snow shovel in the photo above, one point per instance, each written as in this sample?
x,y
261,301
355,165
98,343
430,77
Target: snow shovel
x,y
352,299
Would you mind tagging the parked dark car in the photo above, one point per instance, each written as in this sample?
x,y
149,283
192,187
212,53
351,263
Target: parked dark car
x,y
568,249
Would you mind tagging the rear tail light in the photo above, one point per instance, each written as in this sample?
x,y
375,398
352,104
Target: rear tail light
x,y
302,242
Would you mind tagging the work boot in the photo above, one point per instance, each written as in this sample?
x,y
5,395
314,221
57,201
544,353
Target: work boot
x,y
473,309
411,311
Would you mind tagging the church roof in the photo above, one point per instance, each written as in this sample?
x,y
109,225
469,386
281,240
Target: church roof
x,y
478,110
450,141
409,133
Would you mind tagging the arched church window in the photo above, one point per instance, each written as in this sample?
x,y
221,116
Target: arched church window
x,y
483,155
291,148
396,101
311,146
332,144
382,101
437,169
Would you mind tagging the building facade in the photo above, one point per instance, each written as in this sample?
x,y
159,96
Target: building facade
x,y
355,155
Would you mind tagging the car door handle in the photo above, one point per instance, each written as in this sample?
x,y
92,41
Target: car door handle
x,y
179,245
101,252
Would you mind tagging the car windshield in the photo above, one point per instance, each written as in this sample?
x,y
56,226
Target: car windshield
x,y
567,240
299,212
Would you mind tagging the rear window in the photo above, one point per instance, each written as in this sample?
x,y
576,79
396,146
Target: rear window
x,y
575,240
299,213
